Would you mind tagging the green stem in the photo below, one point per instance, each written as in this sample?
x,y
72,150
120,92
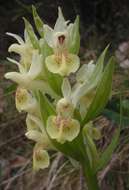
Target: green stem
x,y
91,179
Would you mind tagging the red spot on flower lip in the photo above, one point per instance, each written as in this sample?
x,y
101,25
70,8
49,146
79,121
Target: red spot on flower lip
x,y
61,39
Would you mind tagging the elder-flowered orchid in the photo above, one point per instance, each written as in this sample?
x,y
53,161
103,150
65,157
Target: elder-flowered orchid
x,y
59,113
63,61
37,133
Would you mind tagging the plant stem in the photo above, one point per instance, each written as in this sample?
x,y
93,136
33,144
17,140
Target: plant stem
x,y
91,179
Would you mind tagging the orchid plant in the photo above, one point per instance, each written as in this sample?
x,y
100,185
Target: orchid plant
x,y
60,114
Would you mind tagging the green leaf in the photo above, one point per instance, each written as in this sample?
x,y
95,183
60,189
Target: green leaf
x,y
106,155
99,66
46,108
115,117
38,22
31,34
90,147
75,149
102,93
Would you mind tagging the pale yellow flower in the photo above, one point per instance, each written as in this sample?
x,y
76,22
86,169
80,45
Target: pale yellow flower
x,y
36,132
25,101
41,158
62,61
31,79
83,92
62,129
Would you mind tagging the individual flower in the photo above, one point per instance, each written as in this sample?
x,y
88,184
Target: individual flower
x,y
62,61
26,78
37,133
41,158
23,48
63,127
65,108
36,130
83,91
25,101
31,79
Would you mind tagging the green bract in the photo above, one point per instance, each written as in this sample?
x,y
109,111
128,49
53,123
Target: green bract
x,y
60,114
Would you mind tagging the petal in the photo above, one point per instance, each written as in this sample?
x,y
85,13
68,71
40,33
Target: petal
x,y
16,77
25,101
16,48
85,72
88,84
73,63
35,136
74,36
26,37
82,109
41,158
71,131
17,37
33,123
36,65
60,24
52,129
36,131
21,68
62,133
85,102
63,66
52,64
65,108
